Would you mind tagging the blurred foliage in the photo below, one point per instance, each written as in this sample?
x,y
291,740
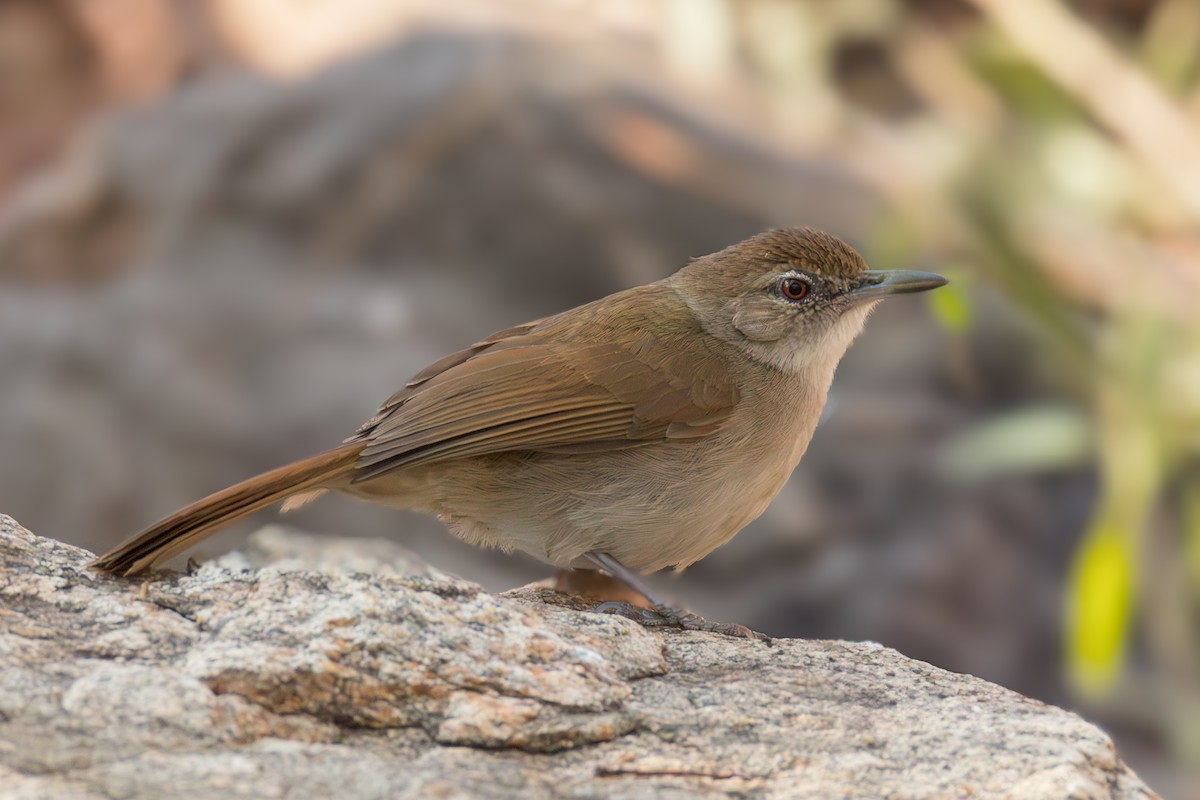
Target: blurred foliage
x,y
1055,148
952,306
1039,438
1099,607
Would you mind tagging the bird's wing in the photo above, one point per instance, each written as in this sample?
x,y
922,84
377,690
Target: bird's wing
x,y
521,392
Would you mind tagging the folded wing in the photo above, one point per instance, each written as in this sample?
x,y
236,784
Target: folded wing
x,y
520,392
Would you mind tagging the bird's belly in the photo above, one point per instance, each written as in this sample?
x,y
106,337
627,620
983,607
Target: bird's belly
x,y
700,517
652,507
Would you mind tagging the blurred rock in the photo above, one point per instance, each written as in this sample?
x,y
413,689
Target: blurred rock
x,y
292,549
315,684
497,154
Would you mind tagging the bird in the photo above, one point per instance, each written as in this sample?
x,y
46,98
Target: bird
x,y
631,434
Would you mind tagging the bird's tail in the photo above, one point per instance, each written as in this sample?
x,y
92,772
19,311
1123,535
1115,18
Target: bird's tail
x,y
176,533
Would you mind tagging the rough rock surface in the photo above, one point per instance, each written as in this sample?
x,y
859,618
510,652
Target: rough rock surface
x,y
356,680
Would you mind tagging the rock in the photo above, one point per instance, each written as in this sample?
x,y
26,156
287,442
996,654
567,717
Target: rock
x,y
289,548
300,681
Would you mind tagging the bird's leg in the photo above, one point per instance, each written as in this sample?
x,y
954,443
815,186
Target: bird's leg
x,y
662,614
598,584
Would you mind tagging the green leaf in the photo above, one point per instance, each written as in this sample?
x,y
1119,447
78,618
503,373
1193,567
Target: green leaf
x,y
1099,604
1035,439
951,307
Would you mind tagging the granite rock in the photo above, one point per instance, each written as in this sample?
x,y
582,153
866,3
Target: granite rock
x,y
315,677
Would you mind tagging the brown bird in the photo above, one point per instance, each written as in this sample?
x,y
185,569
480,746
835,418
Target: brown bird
x,y
634,433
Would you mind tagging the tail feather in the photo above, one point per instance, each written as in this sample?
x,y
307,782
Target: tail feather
x,y
176,533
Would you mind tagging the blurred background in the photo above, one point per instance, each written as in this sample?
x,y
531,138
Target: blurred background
x,y
230,229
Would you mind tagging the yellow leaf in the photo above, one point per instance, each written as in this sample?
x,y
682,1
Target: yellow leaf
x,y
951,308
1099,609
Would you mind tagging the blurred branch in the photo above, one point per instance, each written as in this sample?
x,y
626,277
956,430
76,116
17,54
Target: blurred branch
x,y
939,74
1123,98
1170,46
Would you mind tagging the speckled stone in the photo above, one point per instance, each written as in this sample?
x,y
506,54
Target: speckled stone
x,y
309,679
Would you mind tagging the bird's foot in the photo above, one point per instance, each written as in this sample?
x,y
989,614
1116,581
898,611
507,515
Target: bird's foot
x,y
664,616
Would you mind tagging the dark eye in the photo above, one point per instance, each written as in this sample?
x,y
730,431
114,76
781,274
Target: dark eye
x,y
794,289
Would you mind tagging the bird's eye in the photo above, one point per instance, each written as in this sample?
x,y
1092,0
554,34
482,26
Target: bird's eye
x,y
794,289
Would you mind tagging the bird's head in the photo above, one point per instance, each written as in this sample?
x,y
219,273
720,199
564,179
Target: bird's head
x,y
792,298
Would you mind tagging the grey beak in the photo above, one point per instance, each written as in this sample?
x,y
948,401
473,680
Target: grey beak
x,y
877,284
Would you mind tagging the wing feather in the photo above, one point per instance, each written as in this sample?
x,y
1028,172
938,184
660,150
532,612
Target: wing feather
x,y
519,391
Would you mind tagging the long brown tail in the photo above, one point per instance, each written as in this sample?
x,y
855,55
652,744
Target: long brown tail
x,y
171,536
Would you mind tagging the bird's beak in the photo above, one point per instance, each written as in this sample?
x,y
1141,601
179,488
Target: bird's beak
x,y
877,284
